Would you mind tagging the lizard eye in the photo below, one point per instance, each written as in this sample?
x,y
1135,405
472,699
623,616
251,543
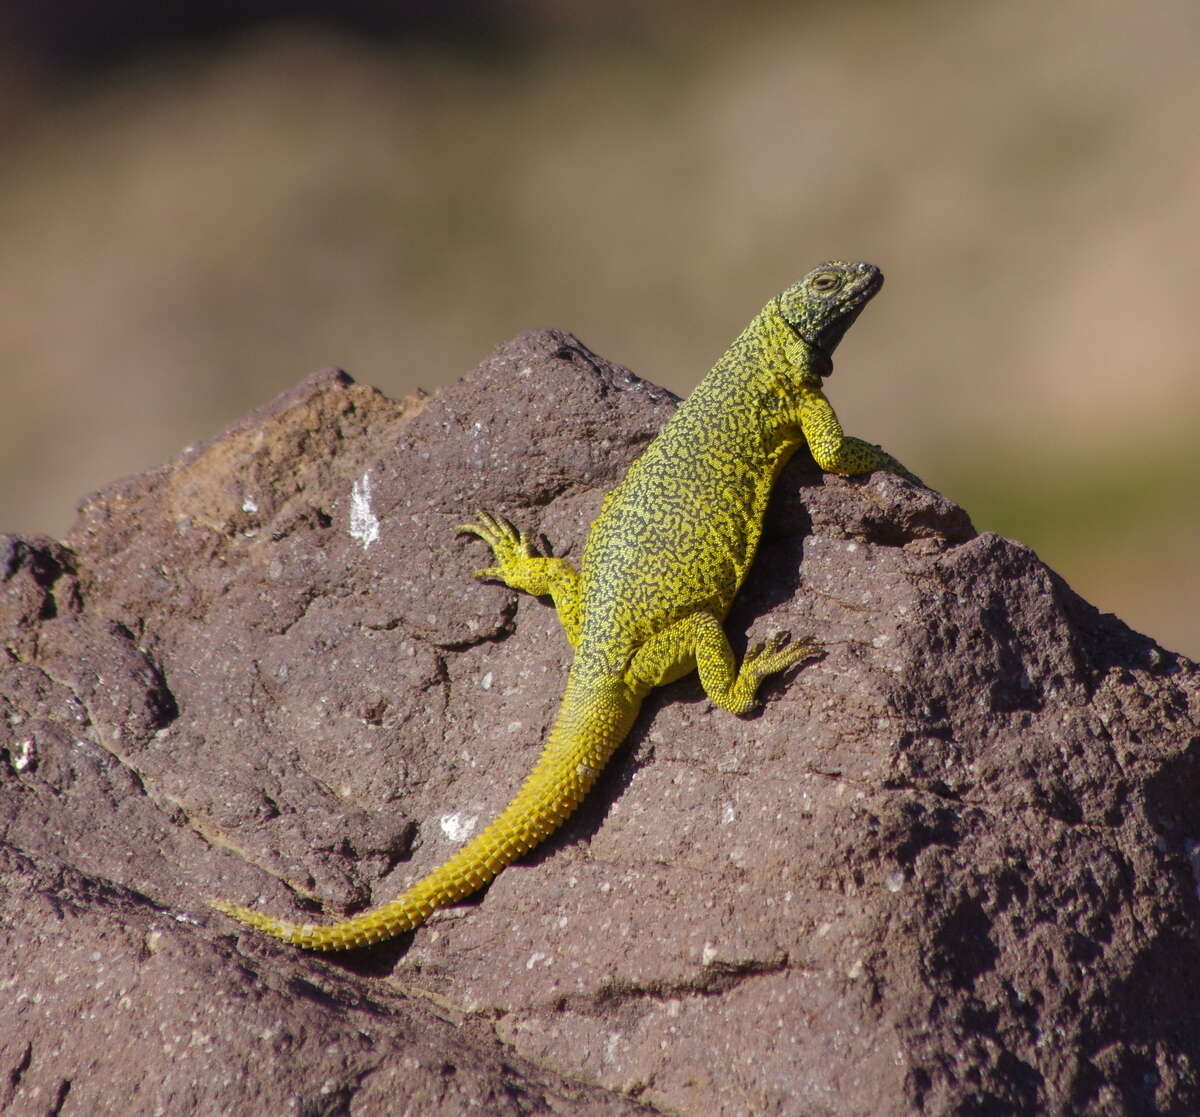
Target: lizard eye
x,y
825,282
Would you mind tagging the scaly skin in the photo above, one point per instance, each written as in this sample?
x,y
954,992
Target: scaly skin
x,y
660,569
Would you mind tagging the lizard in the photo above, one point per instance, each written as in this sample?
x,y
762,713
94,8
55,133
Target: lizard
x,y
660,568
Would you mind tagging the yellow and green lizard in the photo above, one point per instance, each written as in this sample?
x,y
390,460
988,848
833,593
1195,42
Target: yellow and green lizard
x,y
662,563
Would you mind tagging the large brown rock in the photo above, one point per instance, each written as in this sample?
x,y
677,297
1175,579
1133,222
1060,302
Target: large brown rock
x,y
949,868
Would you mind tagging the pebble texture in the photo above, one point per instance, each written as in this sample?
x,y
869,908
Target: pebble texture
x,y
950,867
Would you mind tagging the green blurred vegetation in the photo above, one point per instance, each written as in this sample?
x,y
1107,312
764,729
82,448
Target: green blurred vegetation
x,y
1119,528
1080,510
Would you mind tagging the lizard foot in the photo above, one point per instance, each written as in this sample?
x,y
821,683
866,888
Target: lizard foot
x,y
776,654
510,548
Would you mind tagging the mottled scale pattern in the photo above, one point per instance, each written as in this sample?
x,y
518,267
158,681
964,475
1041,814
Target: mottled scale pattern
x,y
662,563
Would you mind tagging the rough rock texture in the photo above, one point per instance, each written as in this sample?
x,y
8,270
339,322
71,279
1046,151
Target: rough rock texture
x,y
949,868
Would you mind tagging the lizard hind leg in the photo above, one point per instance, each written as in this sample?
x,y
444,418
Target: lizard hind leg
x,y
736,690
520,565
699,640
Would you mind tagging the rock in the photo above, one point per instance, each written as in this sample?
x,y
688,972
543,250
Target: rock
x,y
949,867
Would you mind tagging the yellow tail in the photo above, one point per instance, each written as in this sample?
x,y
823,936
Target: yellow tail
x,y
592,722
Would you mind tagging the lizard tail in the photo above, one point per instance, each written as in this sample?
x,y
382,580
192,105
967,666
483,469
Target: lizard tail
x,y
591,723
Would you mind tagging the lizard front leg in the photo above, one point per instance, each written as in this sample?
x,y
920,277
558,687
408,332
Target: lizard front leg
x,y
521,566
836,452
699,640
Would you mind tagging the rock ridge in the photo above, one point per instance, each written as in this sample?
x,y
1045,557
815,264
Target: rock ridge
x,y
950,867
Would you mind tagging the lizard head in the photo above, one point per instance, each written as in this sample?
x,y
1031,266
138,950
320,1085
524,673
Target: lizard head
x,y
822,306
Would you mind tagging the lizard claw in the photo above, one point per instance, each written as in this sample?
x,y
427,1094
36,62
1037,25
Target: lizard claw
x,y
491,529
777,653
510,547
495,531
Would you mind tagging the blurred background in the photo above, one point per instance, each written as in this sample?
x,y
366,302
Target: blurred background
x,y
200,203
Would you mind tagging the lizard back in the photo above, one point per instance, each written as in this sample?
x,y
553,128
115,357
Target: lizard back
x,y
678,534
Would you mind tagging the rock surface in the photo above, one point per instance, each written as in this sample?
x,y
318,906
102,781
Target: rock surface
x,y
950,867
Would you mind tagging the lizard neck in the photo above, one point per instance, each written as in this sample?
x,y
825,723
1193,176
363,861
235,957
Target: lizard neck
x,y
752,396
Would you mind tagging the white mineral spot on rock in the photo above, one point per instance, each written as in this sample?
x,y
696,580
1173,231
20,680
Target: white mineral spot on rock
x,y
21,755
728,814
364,525
708,955
249,504
458,827
894,881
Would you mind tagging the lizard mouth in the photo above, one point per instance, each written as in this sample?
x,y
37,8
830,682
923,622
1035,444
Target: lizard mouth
x,y
827,338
